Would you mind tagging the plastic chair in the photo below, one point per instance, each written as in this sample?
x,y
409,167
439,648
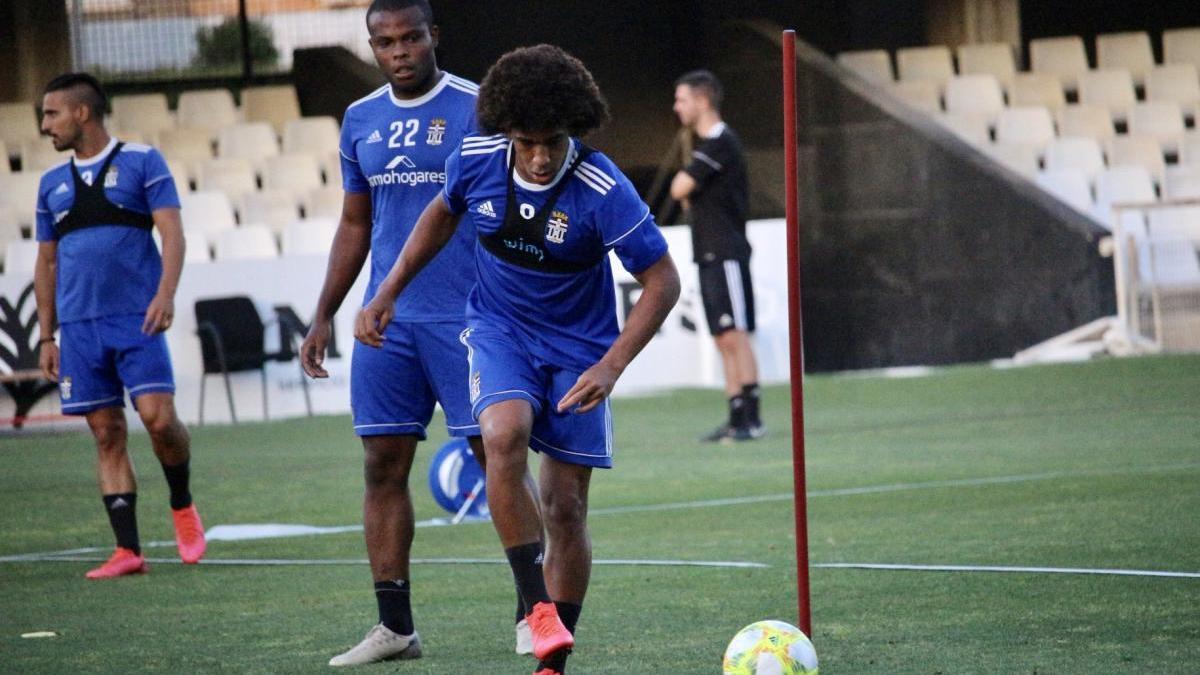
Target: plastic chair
x,y
988,58
1125,51
1069,185
323,202
1036,89
18,123
251,141
1182,45
296,173
1018,157
207,109
1182,183
971,127
1086,120
1160,120
207,212
1110,89
920,94
1031,126
313,135
927,64
975,94
20,257
873,65
1063,57
144,113
232,175
273,208
274,104
248,242
1176,83
312,236
1137,151
1075,152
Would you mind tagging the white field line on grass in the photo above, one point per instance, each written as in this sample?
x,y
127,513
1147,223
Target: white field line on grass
x,y
1008,569
266,531
415,561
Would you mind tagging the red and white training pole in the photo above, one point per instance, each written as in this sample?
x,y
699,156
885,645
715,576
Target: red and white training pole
x,y
795,332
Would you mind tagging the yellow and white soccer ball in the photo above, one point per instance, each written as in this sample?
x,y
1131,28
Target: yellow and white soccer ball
x,y
770,648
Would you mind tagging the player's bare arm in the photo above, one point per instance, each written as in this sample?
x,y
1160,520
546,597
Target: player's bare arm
x,y
433,230
161,312
682,185
351,245
660,291
45,277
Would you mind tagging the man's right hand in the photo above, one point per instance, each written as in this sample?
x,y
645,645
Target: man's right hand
x,y
48,361
312,351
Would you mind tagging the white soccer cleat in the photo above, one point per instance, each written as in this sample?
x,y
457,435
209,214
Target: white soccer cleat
x,y
380,644
524,638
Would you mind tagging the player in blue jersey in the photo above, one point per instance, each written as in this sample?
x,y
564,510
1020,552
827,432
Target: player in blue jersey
x,y
545,347
101,280
394,146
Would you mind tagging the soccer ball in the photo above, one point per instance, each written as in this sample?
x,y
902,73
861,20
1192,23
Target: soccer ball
x,y
456,477
770,648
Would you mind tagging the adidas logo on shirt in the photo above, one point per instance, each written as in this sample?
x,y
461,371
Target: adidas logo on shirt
x,y
62,189
486,209
375,137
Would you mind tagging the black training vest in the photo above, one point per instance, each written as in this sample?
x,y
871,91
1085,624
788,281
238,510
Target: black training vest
x,y
92,208
522,242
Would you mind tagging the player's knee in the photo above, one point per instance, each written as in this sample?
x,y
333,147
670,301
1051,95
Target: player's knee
x,y
504,444
563,512
110,435
161,423
385,465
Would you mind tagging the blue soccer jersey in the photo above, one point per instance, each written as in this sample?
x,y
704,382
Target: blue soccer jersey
x,y
567,315
396,150
106,270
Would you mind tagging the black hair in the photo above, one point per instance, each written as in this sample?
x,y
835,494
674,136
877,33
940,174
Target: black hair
x,y
540,88
92,93
399,6
706,83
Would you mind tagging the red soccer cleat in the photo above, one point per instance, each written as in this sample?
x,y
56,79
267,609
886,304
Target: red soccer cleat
x,y
549,633
189,534
122,562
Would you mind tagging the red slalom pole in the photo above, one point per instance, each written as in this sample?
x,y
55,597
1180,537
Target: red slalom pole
x,y
795,329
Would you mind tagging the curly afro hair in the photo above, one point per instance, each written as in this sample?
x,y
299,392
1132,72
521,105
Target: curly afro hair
x,y
540,88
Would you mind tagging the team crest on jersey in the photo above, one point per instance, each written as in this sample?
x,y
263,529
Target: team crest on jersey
x,y
110,178
556,227
437,129
65,388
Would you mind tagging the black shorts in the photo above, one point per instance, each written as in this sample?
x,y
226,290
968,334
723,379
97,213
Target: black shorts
x,y
728,295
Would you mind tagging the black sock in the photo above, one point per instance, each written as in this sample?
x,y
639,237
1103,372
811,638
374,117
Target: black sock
x,y
568,613
177,481
526,563
750,394
521,610
737,411
122,515
395,610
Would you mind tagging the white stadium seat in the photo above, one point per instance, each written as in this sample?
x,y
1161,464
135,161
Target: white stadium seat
x,y
252,141
331,167
313,236
988,58
4,165
207,212
274,208
10,229
19,191
1018,157
975,94
1030,126
232,175
1189,148
18,123
1175,83
207,109
323,202
927,64
312,135
274,104
1069,185
1175,222
1124,185
1125,51
1036,89
197,250
298,173
192,147
38,154
972,128
1110,89
247,242
1174,263
20,257
1137,151
1182,183
1182,45
873,65
1086,120
920,94
144,113
1075,152
1062,57
1160,120
180,175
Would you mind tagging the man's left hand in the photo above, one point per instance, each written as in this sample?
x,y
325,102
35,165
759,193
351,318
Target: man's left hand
x,y
592,387
159,315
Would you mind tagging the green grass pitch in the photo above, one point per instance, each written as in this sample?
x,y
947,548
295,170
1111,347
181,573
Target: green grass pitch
x,y
1106,464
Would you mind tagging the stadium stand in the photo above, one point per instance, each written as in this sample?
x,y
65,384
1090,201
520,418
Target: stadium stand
x,y
38,154
314,135
1075,152
274,104
191,147
252,141
144,113
991,58
1110,89
18,123
1125,51
1086,120
1182,45
207,212
975,94
248,242
1189,151
1137,151
272,207
1036,89
1030,126
313,236
1068,184
207,109
1161,121
1182,183
1016,156
920,94
1176,83
1122,185
20,257
1062,57
232,175
10,229
297,173
971,127
926,64
323,202
873,65
18,191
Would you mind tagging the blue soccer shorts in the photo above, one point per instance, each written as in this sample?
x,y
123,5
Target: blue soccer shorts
x,y
101,358
502,369
393,388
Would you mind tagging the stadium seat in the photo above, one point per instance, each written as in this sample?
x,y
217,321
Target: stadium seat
x,y
323,202
252,141
1069,185
207,212
1137,151
313,135
1075,152
331,167
247,242
19,191
10,229
207,109
18,123
312,236
1162,121
1174,263
1189,148
232,175
989,58
179,174
1110,89
971,127
198,250
1175,83
274,208
38,154
1036,89
920,94
1182,45
1018,157
192,147
297,173
975,94
1123,185
1062,57
144,113
1086,120
1174,222
274,104
20,257
1027,125
1125,51
925,64
873,65
1182,183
